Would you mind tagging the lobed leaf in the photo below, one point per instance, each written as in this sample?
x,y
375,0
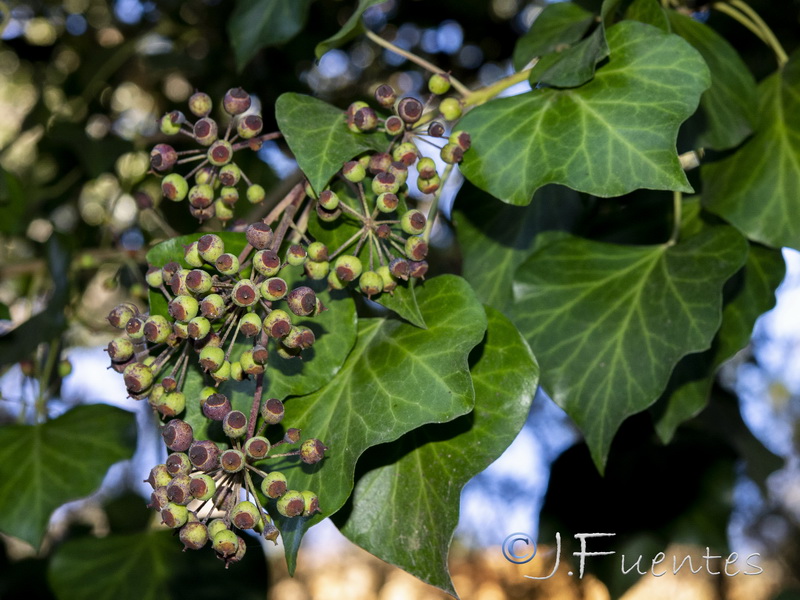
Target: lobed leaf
x,y
558,26
352,27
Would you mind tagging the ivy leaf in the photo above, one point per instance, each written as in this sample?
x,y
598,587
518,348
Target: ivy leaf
x,y
573,66
586,138
650,12
319,138
150,566
257,24
397,378
557,26
496,238
12,203
44,466
752,293
349,30
729,105
755,189
608,323
403,301
428,467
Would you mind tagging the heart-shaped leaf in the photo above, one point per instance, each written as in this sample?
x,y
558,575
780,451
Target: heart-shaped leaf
x,y
586,138
319,138
755,188
558,26
608,323
44,466
352,27
396,378
427,468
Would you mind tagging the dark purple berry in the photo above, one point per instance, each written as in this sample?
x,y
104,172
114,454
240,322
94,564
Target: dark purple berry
x,y
163,157
204,455
178,435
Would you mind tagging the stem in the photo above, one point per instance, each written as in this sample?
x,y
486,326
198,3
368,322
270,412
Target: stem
x,y
434,209
462,89
345,245
677,202
490,91
261,138
744,14
251,424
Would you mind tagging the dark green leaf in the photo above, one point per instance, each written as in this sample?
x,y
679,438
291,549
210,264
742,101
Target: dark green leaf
x,y
44,466
427,467
608,323
404,302
558,26
729,105
650,12
396,378
319,138
755,189
349,30
496,238
573,66
257,24
4,312
586,138
12,203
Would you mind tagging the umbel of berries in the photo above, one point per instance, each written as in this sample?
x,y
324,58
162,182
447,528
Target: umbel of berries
x,y
213,181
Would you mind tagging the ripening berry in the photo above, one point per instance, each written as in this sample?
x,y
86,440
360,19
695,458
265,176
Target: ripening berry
x,y
225,543
312,451
317,270
236,101
198,281
204,455
204,176
234,424
193,535
370,283
245,515
350,114
426,167
178,464
257,447
228,195
182,308
256,194
329,200
227,264
259,235
192,256
170,123
174,515
410,110
452,153
223,211
311,503
302,301
274,484
220,153
461,138
328,216
250,126
439,83
178,283
205,131
436,129
450,108
317,251
120,349
413,222
365,119
250,324
272,411
296,255
178,490
210,247
229,175
354,171
137,377
348,267
273,289
215,526
178,435
428,186
384,231
387,202
174,187
223,373
121,314
416,248
248,363
299,338
394,125
385,96
291,504
212,306
169,270
232,461
158,499
171,404
200,104
405,153
163,157
159,477
385,183
334,282
277,324
244,293
267,263
202,486
418,269
216,407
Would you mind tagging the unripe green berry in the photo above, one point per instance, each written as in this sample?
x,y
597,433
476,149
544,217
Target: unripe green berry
x,y
267,263
200,104
312,451
244,293
317,270
394,125
416,248
212,306
228,196
178,283
215,526
236,101
439,83
461,138
256,194
273,289
198,328
334,282
223,373
389,281
272,411
202,486
234,424
159,477
351,115
400,172
277,324
250,324
210,247
229,175
317,251
170,123
452,153
274,485
245,515
135,327
354,171
223,211
257,447
426,167
172,403
248,363
182,308
204,176
370,283
120,349
178,464
250,126
328,216
385,183
413,222
328,200
232,461
259,235
225,543
198,281
428,186
405,153
237,373
211,358
192,256
193,535
450,109
174,515
291,504
153,277
365,119
311,503
205,131
174,187
137,377
348,267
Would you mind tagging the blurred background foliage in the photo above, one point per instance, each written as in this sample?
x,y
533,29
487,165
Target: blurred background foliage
x,y
82,83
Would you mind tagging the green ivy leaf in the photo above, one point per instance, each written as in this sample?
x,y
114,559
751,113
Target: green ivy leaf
x,y
257,24
44,466
608,323
559,25
755,189
319,138
729,105
650,12
496,238
349,30
586,138
397,378
151,566
428,467
12,204
573,66
403,301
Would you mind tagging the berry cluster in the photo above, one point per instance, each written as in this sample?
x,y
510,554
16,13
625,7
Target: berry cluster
x,y
222,299
216,176
372,189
